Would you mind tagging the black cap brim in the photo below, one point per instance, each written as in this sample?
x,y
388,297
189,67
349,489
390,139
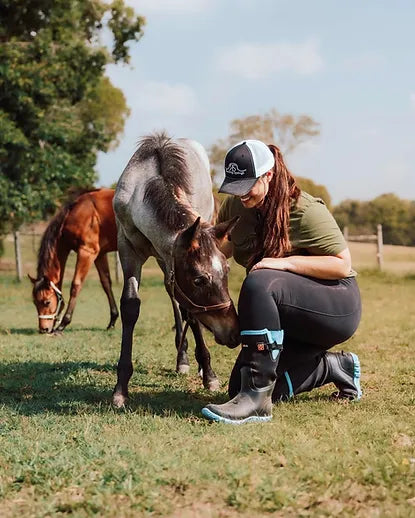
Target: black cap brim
x,y
237,187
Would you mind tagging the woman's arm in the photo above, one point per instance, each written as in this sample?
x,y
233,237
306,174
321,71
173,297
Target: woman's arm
x,y
330,267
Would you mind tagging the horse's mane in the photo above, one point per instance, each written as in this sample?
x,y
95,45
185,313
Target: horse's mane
x,y
173,176
53,231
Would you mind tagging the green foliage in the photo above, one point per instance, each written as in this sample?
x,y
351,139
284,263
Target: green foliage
x,y
397,217
287,131
58,108
317,190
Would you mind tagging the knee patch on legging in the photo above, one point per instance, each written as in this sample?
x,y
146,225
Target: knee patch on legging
x,y
264,339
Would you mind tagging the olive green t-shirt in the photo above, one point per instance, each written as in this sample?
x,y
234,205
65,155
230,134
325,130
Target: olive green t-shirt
x,y
313,230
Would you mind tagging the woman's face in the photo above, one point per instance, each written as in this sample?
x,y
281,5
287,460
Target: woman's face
x,y
256,196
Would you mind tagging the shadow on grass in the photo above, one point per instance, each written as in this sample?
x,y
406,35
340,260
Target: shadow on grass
x,y
30,331
71,388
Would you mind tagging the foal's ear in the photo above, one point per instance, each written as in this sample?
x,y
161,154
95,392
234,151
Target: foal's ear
x,y
222,230
32,279
189,238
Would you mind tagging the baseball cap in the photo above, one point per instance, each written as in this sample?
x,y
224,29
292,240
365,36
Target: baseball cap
x,y
245,162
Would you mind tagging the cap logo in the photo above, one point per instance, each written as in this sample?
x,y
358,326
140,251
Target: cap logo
x,y
234,169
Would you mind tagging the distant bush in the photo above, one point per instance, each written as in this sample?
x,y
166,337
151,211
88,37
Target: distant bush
x,y
397,217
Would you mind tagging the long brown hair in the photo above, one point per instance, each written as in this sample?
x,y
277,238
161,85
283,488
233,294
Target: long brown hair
x,y
273,232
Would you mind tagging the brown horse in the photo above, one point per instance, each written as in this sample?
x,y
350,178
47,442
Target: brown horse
x,y
87,226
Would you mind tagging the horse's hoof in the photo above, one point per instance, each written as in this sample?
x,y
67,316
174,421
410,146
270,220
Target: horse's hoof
x,y
118,400
183,369
213,385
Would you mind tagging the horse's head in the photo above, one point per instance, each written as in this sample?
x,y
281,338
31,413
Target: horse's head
x,y
48,300
200,279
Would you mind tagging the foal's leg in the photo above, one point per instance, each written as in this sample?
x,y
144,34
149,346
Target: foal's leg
x,y
84,260
210,381
130,310
101,263
182,360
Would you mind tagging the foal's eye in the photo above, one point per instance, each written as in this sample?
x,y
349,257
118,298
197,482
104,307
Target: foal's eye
x,y
200,281
46,303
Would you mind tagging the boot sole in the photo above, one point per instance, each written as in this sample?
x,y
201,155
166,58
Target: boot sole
x,y
219,419
356,375
356,381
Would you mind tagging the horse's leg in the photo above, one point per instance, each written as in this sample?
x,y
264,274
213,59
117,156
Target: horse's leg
x,y
210,381
130,310
84,260
101,263
63,253
182,360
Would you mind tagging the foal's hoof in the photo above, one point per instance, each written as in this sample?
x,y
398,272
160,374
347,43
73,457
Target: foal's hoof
x,y
213,385
183,369
118,400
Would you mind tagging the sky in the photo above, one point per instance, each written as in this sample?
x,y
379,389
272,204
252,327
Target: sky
x,y
350,65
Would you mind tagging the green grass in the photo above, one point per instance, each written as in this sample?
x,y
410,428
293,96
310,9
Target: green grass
x,y
65,451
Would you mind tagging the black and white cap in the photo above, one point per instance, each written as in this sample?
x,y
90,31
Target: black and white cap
x,y
244,164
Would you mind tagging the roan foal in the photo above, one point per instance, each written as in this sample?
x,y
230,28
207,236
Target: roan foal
x,y
163,203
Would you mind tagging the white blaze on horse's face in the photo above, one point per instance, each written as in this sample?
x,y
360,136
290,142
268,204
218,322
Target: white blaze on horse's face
x,y
46,303
217,264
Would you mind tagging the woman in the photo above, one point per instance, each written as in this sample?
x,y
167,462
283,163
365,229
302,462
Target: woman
x,y
300,297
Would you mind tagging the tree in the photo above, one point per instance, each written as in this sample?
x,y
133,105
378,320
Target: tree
x,y
397,217
288,131
58,109
315,189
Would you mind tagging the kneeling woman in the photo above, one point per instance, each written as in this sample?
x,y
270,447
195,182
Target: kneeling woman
x,y
300,297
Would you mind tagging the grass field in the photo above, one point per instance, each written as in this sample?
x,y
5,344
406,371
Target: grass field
x,y
65,451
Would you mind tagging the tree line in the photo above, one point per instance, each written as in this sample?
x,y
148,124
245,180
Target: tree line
x,y
58,109
396,215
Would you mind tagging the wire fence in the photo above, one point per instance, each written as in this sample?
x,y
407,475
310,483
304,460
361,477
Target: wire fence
x,y
25,248
369,238
26,244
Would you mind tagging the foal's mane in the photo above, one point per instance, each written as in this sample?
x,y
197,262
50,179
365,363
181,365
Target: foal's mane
x,y
53,231
173,175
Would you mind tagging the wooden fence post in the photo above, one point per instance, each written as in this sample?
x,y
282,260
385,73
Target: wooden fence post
x,y
379,254
18,256
346,233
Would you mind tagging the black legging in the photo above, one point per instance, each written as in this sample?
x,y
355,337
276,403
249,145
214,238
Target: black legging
x,y
315,314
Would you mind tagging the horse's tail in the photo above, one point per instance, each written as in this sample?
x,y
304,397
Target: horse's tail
x,y
172,165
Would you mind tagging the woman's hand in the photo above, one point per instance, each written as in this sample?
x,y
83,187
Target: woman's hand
x,y
273,263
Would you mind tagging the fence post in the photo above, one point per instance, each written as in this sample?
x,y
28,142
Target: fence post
x,y
18,256
379,253
117,267
346,233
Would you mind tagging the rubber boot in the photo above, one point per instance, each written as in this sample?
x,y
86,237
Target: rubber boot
x,y
340,368
258,362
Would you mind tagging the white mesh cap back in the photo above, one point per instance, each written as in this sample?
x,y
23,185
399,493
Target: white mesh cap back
x,y
262,156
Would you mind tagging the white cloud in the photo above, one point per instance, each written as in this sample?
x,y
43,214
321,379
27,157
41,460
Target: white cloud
x,y
169,6
412,100
165,98
364,61
257,61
